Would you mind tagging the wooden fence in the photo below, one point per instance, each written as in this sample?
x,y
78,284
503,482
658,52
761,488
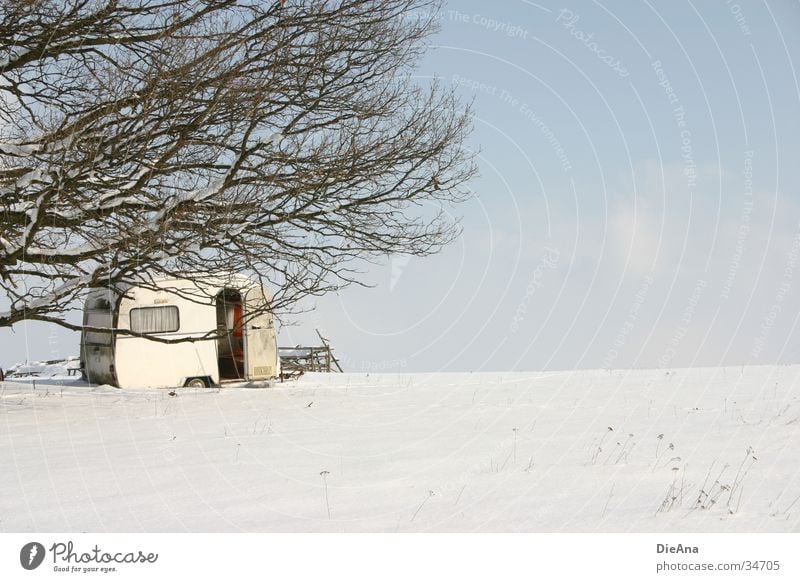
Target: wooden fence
x,y
301,359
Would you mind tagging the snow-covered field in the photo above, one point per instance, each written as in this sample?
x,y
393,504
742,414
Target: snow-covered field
x,y
702,450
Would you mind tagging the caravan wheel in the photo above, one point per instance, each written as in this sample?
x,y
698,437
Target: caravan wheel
x,y
196,383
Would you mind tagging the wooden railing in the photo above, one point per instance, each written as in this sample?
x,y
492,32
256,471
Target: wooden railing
x,y
301,359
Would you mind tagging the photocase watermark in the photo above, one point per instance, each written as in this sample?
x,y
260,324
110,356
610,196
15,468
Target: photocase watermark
x,y
683,324
31,555
67,559
744,226
548,134
629,323
780,295
397,264
55,345
736,10
569,20
476,85
386,365
524,109
547,261
679,116
504,27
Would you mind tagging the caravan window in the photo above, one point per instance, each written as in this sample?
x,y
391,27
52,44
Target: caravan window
x,y
155,319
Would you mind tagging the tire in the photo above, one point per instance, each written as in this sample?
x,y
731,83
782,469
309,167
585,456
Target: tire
x,y
196,383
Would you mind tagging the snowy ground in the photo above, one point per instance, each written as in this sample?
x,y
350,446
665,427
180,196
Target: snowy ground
x,y
702,450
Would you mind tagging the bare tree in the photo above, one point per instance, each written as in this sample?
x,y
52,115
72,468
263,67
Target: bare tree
x,y
286,140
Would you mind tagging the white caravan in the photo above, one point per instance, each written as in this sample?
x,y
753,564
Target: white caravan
x,y
242,347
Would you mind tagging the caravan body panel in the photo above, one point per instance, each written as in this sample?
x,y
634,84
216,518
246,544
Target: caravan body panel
x,y
144,363
97,348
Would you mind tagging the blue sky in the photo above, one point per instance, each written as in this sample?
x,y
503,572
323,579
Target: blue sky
x,y
638,202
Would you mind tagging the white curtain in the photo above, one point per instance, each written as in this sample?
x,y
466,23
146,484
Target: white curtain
x,y
154,319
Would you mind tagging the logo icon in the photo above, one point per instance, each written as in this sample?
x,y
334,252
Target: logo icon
x,y
31,555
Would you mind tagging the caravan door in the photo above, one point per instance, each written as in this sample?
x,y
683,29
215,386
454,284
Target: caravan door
x,y
260,344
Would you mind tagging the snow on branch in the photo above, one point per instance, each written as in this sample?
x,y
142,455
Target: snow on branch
x,y
284,140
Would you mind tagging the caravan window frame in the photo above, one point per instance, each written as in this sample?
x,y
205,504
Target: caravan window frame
x,y
156,307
